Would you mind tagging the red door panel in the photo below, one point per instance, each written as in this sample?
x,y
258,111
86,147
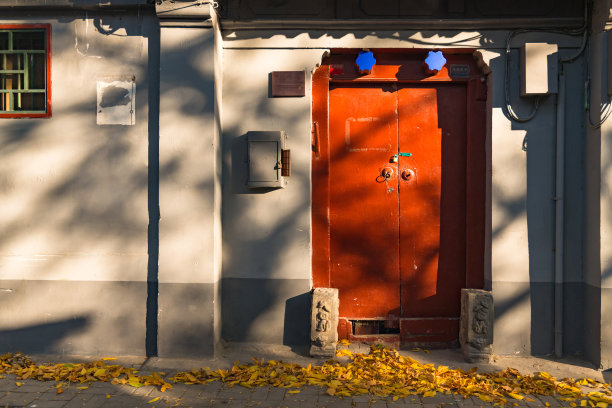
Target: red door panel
x,y
363,205
432,127
432,209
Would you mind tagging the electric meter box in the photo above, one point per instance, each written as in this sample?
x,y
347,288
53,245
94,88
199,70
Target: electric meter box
x,y
539,63
265,159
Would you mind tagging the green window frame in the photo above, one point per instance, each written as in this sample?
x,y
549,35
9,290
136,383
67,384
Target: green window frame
x,y
25,70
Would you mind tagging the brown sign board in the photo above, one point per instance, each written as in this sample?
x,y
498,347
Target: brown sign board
x,y
287,83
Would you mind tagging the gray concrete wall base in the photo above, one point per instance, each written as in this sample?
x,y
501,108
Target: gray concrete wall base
x,y
275,311
73,317
186,319
606,328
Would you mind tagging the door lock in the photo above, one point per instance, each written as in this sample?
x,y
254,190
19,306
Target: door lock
x,y
408,174
387,172
395,157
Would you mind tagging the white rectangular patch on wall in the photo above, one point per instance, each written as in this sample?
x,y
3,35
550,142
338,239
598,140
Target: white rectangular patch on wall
x,y
116,101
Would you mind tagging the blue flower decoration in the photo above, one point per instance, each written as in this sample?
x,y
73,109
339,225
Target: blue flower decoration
x,y
435,60
365,61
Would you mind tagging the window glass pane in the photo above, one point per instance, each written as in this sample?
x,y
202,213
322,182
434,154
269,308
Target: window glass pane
x,y
11,61
30,102
4,41
37,71
28,40
9,81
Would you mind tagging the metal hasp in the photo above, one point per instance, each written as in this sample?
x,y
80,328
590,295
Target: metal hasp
x,y
265,150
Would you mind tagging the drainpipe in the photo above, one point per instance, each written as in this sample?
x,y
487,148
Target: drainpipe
x,y
559,209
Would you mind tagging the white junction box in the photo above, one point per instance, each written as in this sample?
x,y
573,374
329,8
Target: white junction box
x,y
539,63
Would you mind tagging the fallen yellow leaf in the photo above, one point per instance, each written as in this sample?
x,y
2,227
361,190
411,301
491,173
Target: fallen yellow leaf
x,y
108,396
153,400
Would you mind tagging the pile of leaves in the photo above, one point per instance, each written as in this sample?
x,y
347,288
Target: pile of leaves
x,y
382,372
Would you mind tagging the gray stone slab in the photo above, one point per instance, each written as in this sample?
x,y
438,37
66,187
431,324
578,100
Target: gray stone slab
x,y
66,395
47,404
18,399
276,394
78,401
378,404
401,403
554,402
235,392
535,401
362,398
310,390
440,399
335,403
268,404
35,387
102,388
259,394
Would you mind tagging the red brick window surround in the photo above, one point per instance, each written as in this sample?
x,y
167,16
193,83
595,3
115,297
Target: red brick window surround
x,y
25,70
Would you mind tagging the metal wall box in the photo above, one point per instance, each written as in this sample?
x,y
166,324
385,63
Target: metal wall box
x,y
539,69
264,151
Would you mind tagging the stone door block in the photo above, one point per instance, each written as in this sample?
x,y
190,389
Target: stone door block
x,y
476,326
324,322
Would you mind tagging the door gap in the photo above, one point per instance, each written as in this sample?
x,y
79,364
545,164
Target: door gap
x,y
361,327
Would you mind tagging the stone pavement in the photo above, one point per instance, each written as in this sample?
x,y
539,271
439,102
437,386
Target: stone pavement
x,y
37,394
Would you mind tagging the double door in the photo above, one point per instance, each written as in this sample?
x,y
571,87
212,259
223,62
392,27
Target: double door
x,y
397,206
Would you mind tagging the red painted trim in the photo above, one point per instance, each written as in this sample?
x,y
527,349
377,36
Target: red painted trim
x,y
320,171
47,28
475,184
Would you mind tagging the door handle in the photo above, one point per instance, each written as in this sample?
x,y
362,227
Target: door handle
x,y
408,174
387,172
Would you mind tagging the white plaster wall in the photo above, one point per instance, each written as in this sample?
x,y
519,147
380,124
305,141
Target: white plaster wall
x,y
187,156
73,196
275,222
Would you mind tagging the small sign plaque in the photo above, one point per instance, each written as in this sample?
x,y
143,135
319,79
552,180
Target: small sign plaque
x,y
459,71
287,83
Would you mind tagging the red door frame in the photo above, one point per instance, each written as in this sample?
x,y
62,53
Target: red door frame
x,y
403,66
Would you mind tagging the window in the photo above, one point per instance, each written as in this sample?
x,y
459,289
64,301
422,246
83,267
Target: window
x,y
25,70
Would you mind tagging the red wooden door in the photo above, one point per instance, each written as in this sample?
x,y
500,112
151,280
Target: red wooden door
x,y
432,128
363,211
397,205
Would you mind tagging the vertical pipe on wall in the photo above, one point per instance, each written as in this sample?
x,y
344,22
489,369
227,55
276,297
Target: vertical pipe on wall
x,y
559,210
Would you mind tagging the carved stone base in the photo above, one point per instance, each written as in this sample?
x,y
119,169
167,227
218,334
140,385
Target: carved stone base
x,y
476,325
323,322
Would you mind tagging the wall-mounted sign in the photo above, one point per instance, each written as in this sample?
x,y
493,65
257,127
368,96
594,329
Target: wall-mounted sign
x,y
287,83
116,103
